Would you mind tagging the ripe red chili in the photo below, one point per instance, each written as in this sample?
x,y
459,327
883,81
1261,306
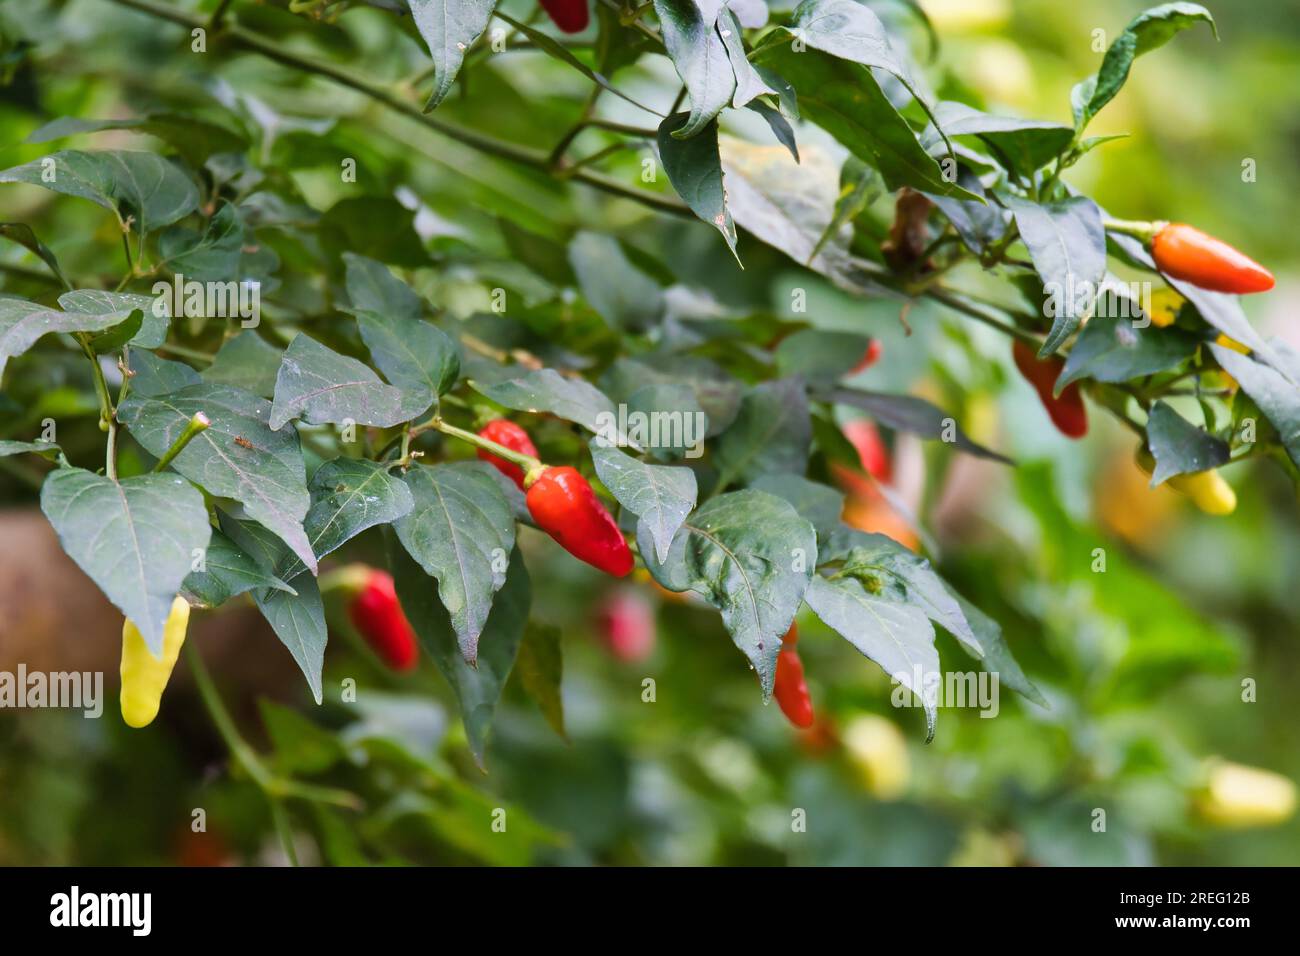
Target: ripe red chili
x,y
377,614
791,690
869,357
1066,410
873,454
569,15
626,625
1184,252
505,432
565,507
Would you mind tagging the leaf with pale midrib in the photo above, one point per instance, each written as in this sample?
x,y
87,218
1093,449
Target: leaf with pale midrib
x,y
264,471
135,538
660,495
322,387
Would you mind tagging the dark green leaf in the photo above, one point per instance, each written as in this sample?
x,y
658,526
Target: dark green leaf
x,y
211,255
449,27
660,495
623,295
154,318
227,571
772,433
22,234
264,470
152,376
541,668
321,386
750,555
909,414
413,354
135,538
1024,145
461,531
477,688
698,53
819,504
22,323
749,84
820,356
246,361
1111,348
1067,243
997,659
1277,398
694,167
1180,447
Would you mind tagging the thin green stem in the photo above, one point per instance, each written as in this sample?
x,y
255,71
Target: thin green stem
x,y
198,423
526,462
183,352
958,303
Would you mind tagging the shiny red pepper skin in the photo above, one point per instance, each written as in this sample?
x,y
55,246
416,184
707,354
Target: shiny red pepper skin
x,y
1186,253
378,616
569,15
505,432
565,507
790,688
1066,410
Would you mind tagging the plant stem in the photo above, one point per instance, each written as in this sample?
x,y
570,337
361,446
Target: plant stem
x,y
197,423
957,302
188,353
1146,231
526,462
512,152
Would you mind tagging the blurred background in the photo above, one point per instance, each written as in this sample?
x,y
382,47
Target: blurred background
x,y
1169,676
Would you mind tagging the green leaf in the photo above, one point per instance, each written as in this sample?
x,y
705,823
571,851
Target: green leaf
x,y
819,504
22,323
1180,447
546,390
154,319
772,433
978,224
413,354
227,571
1022,145
1111,348
751,556
110,340
461,531
660,495
844,99
649,377
1067,243
22,234
211,255
320,386
151,188
373,288
378,224
700,57
1151,29
152,376
135,538
541,668
477,688
246,361
694,167
348,495
297,613
820,356
866,555
263,471
897,636
8,448
909,414
300,745
1276,397
623,295
450,28
749,84
779,125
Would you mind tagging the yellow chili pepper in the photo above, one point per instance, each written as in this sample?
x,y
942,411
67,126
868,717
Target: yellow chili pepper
x,y
1164,307
1240,796
1207,489
144,676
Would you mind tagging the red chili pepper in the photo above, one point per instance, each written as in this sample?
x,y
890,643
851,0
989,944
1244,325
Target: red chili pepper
x,y
1066,410
871,449
378,615
627,626
569,15
565,507
869,357
791,690
505,432
1186,253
